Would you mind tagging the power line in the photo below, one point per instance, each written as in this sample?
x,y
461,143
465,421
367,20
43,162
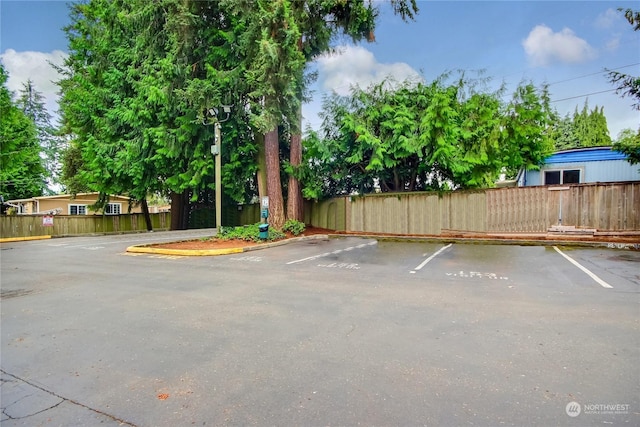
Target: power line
x,y
592,74
582,96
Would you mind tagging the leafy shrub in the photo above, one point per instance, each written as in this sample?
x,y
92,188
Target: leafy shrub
x,y
248,233
293,226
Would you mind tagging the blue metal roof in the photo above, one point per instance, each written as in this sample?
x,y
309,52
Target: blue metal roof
x,y
594,154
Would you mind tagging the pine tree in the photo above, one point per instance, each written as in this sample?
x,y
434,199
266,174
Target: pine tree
x,y
31,102
22,174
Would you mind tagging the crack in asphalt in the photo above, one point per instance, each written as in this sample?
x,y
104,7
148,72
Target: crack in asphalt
x,y
30,415
62,399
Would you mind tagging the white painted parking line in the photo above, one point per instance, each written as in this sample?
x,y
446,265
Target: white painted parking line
x,y
589,273
477,275
334,252
430,258
247,259
351,266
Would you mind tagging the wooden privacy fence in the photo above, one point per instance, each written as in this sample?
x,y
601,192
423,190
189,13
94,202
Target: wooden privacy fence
x,y
600,206
605,207
66,225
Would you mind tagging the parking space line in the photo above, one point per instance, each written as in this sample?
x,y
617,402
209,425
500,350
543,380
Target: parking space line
x,y
430,258
589,273
337,251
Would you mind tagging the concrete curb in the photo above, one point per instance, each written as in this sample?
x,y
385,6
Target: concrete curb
x,y
500,241
22,239
149,249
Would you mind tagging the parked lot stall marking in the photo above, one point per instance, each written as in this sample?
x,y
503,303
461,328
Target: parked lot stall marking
x,y
310,258
476,274
345,265
247,259
589,273
423,263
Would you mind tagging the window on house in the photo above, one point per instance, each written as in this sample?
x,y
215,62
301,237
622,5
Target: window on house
x,y
571,176
77,209
551,177
567,176
112,209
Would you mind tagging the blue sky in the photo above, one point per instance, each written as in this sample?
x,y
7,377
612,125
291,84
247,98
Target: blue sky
x,y
565,44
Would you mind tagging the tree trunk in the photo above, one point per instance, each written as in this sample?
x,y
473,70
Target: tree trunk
x,y
274,186
261,175
179,205
295,206
147,217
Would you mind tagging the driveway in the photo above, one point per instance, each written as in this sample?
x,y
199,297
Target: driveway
x,y
347,331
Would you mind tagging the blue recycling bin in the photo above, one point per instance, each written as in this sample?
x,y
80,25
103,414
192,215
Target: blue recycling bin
x,y
264,231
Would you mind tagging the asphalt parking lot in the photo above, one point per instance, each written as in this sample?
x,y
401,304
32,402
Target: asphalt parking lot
x,y
345,331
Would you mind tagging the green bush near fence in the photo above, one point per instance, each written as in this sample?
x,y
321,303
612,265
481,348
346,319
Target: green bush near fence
x,y
294,227
248,233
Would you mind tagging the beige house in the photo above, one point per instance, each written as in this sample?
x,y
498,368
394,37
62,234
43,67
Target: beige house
x,y
65,204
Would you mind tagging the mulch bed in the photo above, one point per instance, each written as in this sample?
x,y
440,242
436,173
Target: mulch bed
x,y
214,243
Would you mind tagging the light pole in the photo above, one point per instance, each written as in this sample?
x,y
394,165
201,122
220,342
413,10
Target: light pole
x,y
216,150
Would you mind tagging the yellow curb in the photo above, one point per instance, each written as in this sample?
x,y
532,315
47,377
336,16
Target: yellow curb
x,y
183,252
147,249
21,239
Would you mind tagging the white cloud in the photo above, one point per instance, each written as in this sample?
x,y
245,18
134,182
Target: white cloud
x,y
613,44
356,66
544,47
608,19
36,66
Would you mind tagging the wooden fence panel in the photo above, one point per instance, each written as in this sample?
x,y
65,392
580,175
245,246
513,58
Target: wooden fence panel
x,y
66,225
330,213
524,209
610,207
424,214
464,211
605,207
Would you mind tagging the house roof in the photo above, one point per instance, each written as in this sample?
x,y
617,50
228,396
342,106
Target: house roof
x,y
61,196
591,154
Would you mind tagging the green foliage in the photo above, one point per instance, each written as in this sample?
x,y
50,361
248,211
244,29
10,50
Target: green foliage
x,y
585,129
294,227
138,80
249,233
140,76
22,173
416,136
72,170
628,142
31,102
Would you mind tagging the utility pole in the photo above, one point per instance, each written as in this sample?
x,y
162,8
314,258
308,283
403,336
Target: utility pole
x,y
216,150
218,175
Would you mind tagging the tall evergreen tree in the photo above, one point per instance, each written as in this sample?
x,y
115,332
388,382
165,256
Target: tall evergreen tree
x,y
31,102
22,174
138,83
586,128
590,127
281,37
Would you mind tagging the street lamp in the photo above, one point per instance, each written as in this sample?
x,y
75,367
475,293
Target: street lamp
x,y
216,150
